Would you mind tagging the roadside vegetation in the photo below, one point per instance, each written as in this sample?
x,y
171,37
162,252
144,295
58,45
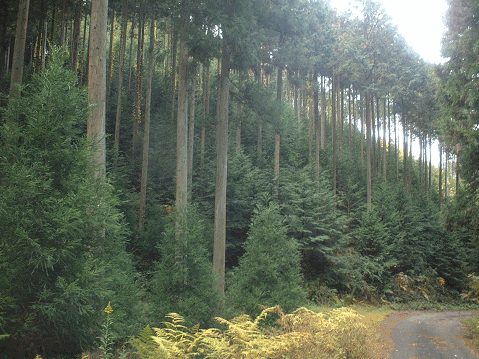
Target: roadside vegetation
x,y
249,192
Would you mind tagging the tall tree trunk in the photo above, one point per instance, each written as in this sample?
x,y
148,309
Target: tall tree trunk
x,y
206,111
146,132
369,119
373,140
446,168
405,149
84,57
350,120
121,65
334,115
323,114
182,116
173,71
317,128
363,100
240,113
19,48
109,70
440,176
315,119
76,35
430,162
385,143
130,61
277,136
191,129
63,24
139,83
219,246
97,84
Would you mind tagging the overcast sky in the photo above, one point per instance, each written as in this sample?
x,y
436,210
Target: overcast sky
x,y
419,21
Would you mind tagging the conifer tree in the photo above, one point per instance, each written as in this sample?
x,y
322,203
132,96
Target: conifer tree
x,y
269,273
62,240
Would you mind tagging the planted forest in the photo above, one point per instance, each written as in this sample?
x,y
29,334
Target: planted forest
x,y
172,170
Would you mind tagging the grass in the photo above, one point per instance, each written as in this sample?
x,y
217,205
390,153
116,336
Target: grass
x,y
472,325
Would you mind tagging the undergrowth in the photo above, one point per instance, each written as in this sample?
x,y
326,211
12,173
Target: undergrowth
x,y
338,333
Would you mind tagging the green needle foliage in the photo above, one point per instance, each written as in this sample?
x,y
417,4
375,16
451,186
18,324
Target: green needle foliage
x,y
183,280
269,271
61,237
314,218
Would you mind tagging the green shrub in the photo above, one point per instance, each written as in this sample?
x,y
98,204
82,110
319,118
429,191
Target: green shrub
x,y
269,272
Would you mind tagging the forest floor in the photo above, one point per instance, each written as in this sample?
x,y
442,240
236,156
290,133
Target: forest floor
x,y
426,335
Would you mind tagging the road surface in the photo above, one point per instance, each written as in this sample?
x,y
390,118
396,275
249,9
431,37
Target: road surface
x,y
427,335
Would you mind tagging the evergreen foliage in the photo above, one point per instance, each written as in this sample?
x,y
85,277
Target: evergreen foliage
x,y
314,219
269,271
183,279
62,240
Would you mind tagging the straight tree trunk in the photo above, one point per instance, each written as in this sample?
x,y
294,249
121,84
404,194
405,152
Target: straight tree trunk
x,y
97,84
369,119
323,114
121,64
109,71
334,115
440,177
405,149
350,119
363,100
130,61
19,48
240,113
219,246
191,129
139,83
385,143
76,35
182,116
277,136
146,132
173,71
206,111
84,55
315,119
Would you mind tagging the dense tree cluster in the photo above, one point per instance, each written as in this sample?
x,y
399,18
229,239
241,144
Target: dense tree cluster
x,y
227,154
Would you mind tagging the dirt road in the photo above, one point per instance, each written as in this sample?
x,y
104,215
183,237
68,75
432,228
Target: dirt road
x,y
426,335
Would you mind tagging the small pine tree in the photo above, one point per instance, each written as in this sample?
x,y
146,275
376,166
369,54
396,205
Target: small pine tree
x,y
269,272
183,280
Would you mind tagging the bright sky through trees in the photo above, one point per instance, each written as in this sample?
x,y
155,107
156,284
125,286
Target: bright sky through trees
x,y
419,21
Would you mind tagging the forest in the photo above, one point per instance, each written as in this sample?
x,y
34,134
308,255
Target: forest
x,y
216,158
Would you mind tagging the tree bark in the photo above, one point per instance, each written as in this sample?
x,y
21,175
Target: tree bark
x,y
121,64
76,35
19,48
206,111
369,119
139,83
130,65
323,114
182,116
334,115
97,84
191,129
111,56
221,173
173,71
146,132
277,136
